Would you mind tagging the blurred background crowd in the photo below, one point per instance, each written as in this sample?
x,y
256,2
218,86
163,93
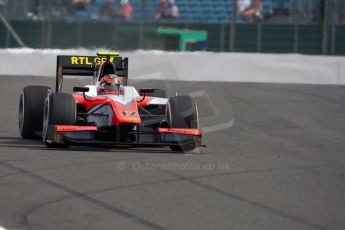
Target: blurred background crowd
x,y
185,11
274,26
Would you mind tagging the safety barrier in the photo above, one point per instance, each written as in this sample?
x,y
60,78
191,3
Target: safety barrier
x,y
198,66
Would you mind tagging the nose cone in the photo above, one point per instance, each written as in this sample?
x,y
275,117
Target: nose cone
x,y
129,117
126,113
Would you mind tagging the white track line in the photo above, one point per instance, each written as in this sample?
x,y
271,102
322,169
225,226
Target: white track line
x,y
1,228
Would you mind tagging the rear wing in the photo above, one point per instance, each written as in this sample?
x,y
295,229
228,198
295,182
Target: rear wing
x,y
86,66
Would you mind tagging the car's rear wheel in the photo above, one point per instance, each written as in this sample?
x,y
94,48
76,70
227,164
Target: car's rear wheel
x,y
31,106
182,113
59,109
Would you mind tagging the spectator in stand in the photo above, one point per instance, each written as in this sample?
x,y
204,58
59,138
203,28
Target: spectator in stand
x,y
161,9
107,9
81,4
250,9
125,11
172,11
35,10
167,11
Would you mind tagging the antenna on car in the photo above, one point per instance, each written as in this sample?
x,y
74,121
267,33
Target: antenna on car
x,y
108,54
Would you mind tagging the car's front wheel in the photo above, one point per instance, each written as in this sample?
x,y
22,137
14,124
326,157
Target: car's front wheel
x,y
182,113
59,109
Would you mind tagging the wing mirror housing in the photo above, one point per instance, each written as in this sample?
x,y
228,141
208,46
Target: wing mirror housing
x,y
80,89
146,91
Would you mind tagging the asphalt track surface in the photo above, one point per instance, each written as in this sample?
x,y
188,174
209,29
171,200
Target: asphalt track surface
x,y
275,160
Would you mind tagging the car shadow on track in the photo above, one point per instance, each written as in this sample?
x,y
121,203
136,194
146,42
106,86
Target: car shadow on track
x,y
18,142
36,144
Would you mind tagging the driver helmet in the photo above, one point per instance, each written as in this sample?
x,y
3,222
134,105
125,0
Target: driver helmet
x,y
109,84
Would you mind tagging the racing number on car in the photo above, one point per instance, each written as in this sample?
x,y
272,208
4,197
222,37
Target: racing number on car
x,y
130,114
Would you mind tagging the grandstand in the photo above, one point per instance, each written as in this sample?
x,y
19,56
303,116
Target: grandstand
x,y
288,26
191,11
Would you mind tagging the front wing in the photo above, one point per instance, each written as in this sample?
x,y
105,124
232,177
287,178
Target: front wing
x,y
85,135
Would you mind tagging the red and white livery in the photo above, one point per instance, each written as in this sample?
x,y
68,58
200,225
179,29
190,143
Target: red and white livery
x,y
107,112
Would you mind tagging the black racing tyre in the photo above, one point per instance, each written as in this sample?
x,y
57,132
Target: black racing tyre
x,y
59,109
182,113
31,107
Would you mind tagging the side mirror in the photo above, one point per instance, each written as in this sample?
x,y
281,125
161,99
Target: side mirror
x,y
146,91
81,89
